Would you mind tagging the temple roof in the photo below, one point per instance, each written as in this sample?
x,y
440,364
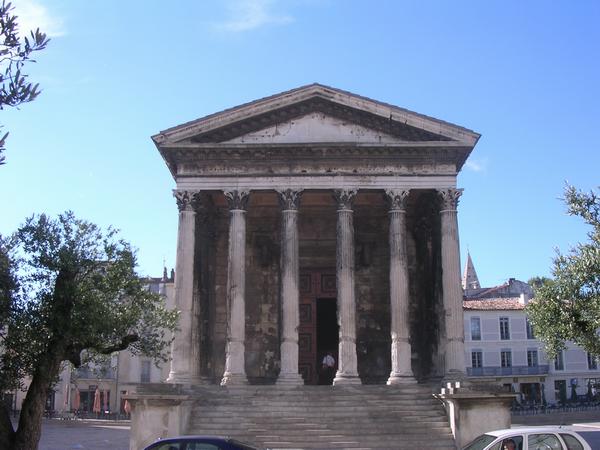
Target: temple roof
x,y
311,115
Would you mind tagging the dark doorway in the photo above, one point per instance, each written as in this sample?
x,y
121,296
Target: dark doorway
x,y
327,337
317,312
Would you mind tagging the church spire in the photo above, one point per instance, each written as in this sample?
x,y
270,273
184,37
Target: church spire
x,y
469,279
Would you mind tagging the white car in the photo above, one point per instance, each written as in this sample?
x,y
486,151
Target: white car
x,y
530,438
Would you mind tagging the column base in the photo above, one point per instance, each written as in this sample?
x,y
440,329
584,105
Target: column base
x,y
401,379
234,379
289,379
182,378
346,379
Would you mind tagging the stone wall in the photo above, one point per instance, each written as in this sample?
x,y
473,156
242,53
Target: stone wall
x,y
317,241
426,309
372,291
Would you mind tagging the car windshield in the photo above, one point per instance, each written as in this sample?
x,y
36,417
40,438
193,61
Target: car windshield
x,y
481,442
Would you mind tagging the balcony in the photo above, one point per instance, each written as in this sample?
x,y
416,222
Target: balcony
x,y
507,371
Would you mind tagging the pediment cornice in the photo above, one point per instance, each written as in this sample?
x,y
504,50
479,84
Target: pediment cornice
x,y
402,123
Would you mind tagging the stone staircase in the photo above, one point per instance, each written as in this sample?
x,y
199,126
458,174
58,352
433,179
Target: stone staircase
x,y
325,417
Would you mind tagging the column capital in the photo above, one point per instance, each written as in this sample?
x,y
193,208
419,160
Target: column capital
x,y
450,197
289,199
344,198
186,200
396,198
237,198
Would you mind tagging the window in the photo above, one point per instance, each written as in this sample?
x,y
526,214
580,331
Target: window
x,y
532,358
592,361
145,375
530,333
504,330
546,441
506,358
571,441
559,362
516,440
475,329
476,359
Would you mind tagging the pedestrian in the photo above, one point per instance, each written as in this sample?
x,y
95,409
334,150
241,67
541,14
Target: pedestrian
x,y
328,368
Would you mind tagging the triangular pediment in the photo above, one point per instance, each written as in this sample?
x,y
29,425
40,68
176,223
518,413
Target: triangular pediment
x,y
315,127
315,113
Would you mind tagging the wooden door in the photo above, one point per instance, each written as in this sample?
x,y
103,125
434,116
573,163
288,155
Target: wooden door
x,y
314,284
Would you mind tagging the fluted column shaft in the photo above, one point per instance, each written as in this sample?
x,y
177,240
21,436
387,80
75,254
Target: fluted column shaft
x,y
399,296
289,201
452,290
347,372
235,372
184,349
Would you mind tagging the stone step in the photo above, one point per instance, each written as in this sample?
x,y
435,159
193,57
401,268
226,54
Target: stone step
x,y
363,430
264,418
326,402
308,410
322,417
398,442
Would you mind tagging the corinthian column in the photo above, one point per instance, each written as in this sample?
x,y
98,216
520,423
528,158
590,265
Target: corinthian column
x,y
235,372
401,364
347,365
289,201
452,290
184,349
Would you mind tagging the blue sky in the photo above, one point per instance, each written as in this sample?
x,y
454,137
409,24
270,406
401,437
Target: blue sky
x,y
525,75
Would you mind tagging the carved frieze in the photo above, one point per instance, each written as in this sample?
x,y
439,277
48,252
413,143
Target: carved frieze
x,y
289,198
237,198
450,197
344,197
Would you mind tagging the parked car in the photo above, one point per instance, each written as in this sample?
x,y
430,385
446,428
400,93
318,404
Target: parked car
x,y
530,438
199,443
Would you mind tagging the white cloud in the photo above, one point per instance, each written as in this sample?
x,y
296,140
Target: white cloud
x,y
476,166
246,15
32,15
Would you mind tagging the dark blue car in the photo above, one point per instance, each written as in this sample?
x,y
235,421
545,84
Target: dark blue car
x,y
199,443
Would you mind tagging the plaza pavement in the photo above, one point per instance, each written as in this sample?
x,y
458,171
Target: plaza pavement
x,y
84,435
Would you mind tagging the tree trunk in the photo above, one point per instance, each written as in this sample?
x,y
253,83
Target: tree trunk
x,y
29,431
7,433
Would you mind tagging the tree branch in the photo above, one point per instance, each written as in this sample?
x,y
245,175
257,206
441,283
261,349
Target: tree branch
x,y
125,342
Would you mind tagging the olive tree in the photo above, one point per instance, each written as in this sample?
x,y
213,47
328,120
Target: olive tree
x,y
15,50
566,307
69,289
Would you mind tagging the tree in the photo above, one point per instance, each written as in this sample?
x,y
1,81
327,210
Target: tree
x,y
536,282
567,306
14,52
73,295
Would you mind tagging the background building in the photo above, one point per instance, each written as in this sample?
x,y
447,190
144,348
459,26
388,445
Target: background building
x,y
500,346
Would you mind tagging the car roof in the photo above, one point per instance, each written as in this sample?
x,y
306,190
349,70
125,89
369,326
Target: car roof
x,y
204,437
541,429
199,436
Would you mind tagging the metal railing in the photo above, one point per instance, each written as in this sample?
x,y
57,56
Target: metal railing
x,y
507,371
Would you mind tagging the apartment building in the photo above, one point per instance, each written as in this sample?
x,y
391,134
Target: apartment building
x,y
501,347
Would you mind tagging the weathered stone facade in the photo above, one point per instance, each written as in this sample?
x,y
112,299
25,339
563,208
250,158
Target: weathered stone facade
x,y
317,182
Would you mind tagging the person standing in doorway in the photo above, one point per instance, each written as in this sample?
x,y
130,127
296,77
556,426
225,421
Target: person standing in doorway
x,y
328,368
